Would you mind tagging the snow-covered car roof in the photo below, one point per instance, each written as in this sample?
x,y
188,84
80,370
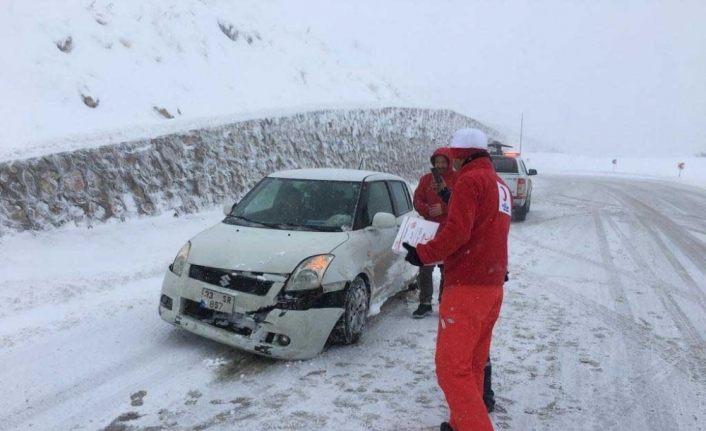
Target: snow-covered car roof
x,y
334,175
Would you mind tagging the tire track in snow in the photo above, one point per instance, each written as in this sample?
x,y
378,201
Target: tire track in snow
x,y
54,292
570,255
558,218
617,290
339,370
658,413
695,199
645,378
77,391
693,248
583,259
57,316
685,362
672,360
587,203
682,322
673,232
240,362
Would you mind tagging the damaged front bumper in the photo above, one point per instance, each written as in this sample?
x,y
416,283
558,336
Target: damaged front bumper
x,y
275,325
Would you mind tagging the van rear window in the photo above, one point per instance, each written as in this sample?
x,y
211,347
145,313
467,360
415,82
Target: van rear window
x,y
507,165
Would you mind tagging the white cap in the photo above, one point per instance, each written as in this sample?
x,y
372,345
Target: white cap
x,y
470,138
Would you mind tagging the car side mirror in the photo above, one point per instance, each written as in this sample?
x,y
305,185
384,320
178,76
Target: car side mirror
x,y
532,172
227,208
384,221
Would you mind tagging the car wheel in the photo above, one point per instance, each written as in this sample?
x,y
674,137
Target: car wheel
x,y
520,213
355,314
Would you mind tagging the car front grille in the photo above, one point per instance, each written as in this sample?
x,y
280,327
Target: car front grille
x,y
239,281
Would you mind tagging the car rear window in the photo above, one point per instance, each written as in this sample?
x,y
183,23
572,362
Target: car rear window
x,y
507,165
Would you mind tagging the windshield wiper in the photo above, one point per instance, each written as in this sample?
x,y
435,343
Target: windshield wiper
x,y
294,226
288,226
270,225
325,228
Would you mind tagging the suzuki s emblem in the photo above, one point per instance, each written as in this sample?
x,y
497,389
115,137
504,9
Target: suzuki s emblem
x,y
225,280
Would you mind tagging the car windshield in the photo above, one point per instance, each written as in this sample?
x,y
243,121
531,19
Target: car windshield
x,y
294,204
506,165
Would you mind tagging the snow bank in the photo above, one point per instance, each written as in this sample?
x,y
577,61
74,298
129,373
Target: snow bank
x,y
188,171
694,172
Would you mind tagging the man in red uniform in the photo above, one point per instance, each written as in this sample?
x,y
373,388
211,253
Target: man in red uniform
x,y
473,247
431,207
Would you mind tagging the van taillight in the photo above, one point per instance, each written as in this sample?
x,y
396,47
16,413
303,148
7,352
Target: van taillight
x,y
521,188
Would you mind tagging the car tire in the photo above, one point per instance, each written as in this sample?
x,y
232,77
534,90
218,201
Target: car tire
x,y
350,326
520,214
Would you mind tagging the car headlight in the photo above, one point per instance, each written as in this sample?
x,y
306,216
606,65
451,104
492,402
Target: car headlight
x,y
180,260
309,273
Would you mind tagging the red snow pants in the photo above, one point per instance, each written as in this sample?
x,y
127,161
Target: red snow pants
x,y
467,315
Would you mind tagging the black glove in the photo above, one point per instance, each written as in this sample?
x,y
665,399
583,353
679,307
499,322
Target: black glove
x,y
412,256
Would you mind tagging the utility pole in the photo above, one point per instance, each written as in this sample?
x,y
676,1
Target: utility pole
x,y
522,121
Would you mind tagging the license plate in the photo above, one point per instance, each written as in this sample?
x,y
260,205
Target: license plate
x,y
217,301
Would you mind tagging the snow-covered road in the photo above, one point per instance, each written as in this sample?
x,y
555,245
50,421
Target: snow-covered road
x,y
603,327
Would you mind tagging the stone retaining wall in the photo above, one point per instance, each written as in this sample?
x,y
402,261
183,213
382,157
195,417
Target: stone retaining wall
x,y
188,171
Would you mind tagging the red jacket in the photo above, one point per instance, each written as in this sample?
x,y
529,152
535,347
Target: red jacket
x,y
473,242
425,196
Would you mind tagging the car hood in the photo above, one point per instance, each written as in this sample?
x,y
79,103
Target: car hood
x,y
243,248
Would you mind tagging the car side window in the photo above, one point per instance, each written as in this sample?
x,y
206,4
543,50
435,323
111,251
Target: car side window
x,y
378,201
400,196
523,168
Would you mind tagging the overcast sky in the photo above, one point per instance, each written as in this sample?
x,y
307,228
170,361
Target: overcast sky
x,y
592,77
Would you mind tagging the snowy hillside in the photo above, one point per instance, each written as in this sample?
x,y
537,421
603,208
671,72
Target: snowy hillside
x,y
100,65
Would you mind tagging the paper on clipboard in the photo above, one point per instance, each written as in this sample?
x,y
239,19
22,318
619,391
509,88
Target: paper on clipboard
x,y
413,231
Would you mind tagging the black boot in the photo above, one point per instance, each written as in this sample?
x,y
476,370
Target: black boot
x,y
489,404
488,394
445,427
422,311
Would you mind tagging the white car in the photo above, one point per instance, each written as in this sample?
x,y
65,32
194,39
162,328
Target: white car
x,y
298,262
